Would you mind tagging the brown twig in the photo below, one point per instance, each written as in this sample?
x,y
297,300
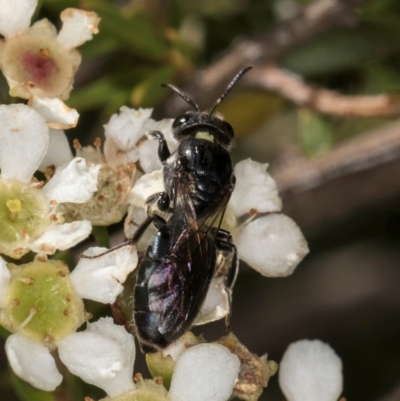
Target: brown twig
x,y
316,18
292,87
353,177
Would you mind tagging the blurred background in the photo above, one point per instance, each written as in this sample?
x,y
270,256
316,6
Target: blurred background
x,y
322,107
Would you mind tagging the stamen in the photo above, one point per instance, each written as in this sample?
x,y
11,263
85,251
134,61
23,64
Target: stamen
x,y
138,378
14,206
77,146
32,313
44,54
7,310
71,314
248,220
97,145
41,257
25,280
48,339
49,172
132,169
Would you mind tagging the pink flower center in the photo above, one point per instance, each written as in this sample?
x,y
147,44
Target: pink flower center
x,y
39,67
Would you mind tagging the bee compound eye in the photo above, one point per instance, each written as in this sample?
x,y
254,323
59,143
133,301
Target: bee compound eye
x,y
179,121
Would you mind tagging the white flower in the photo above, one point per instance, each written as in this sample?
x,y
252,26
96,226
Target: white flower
x,y
310,370
125,145
123,133
266,240
29,219
42,305
104,353
36,61
204,372
100,279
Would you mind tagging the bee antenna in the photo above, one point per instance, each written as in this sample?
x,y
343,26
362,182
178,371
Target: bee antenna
x,y
185,97
229,88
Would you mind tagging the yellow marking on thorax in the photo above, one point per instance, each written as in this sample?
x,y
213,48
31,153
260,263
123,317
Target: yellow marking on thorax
x,y
204,135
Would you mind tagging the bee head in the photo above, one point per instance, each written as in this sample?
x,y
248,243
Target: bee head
x,y
203,126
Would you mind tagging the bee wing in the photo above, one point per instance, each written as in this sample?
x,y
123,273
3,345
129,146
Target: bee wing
x,y
188,271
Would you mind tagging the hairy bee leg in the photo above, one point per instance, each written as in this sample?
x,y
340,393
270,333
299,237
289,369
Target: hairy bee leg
x,y
163,150
225,245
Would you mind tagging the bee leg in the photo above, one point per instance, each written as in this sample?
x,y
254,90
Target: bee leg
x,y
163,150
156,220
228,266
153,218
162,200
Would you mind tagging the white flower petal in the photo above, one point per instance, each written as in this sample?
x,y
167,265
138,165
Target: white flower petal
x,y
101,279
272,244
24,138
310,370
148,156
148,151
204,372
15,16
56,113
254,189
58,152
62,237
32,362
4,281
122,133
145,186
178,347
134,219
75,182
102,355
78,27
216,304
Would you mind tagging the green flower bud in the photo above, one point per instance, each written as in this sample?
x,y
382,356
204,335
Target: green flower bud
x,y
162,363
24,213
41,302
147,390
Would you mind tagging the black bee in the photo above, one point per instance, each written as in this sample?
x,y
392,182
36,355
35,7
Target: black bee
x,y
189,248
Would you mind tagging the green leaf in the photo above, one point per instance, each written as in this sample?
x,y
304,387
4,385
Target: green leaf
x,y
101,236
315,134
92,95
120,98
60,5
99,46
339,50
381,79
134,32
4,333
149,91
26,392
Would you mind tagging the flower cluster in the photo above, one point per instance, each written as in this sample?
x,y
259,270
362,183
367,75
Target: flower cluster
x,y
49,201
